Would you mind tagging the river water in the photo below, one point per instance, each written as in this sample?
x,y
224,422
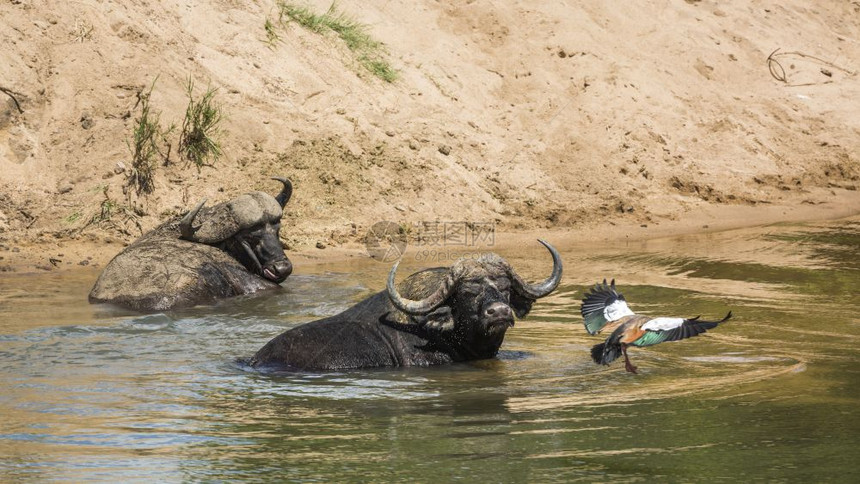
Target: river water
x,y
91,393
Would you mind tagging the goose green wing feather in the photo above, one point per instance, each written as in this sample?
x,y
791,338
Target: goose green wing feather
x,y
601,305
660,330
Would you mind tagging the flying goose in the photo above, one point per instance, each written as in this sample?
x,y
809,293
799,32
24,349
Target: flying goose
x,y
604,308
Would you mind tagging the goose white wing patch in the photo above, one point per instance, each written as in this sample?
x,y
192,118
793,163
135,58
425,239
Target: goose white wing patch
x,y
601,305
617,310
663,324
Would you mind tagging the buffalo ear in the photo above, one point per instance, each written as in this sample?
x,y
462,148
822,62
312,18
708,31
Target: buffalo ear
x,y
521,305
440,319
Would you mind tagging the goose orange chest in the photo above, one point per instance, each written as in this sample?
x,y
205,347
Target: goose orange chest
x,y
605,309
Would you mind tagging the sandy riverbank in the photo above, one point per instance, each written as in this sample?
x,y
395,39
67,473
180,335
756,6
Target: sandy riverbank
x,y
577,120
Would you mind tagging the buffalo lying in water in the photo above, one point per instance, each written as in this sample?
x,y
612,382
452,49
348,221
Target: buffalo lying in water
x,y
230,249
460,313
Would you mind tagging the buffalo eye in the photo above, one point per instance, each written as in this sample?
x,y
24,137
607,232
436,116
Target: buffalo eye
x,y
256,234
502,288
471,289
469,292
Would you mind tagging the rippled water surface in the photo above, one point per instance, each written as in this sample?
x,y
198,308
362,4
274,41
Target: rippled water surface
x,y
91,393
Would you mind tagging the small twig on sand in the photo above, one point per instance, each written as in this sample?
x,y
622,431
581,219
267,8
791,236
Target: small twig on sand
x,y
775,68
12,95
778,72
819,59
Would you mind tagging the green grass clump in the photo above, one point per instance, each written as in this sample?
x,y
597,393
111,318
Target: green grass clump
x,y
303,16
200,128
272,36
369,52
112,215
147,135
73,217
149,144
380,69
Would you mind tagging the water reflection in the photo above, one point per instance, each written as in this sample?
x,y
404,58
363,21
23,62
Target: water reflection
x,y
96,393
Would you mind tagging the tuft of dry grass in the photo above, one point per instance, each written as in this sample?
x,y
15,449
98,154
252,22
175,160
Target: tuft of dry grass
x,y
272,36
370,53
147,136
198,142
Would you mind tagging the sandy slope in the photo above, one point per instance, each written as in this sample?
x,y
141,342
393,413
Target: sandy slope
x,y
646,120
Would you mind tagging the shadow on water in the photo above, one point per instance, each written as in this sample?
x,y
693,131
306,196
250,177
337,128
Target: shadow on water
x,y
93,393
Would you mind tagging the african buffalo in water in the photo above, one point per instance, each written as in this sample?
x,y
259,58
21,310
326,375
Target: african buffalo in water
x,y
439,315
230,249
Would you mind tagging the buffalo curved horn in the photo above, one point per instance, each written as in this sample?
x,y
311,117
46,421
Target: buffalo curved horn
x,y
542,289
423,306
286,192
248,250
185,227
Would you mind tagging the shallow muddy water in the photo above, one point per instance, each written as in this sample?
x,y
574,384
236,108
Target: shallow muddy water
x,y
91,393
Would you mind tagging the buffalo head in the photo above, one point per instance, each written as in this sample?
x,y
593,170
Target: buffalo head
x,y
247,228
475,302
